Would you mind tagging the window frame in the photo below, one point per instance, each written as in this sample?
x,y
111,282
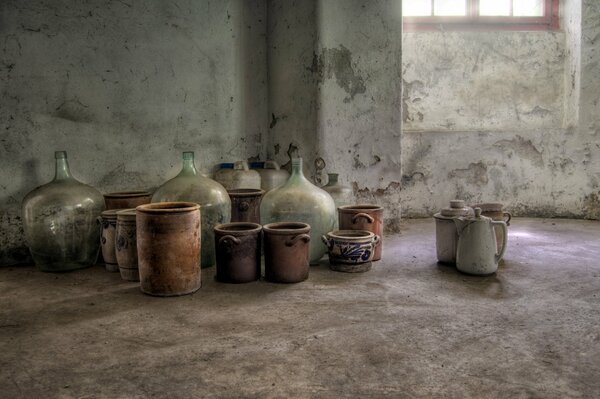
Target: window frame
x,y
474,22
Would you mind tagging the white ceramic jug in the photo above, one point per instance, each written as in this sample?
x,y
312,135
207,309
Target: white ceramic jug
x,y
476,252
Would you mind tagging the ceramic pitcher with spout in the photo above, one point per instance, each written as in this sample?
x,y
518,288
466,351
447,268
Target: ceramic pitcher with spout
x,y
476,252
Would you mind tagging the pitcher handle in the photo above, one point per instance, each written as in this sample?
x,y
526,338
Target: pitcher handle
x,y
362,215
505,235
295,239
508,217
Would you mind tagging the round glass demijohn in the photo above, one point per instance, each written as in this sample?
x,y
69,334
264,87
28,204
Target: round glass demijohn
x,y
60,221
298,200
215,206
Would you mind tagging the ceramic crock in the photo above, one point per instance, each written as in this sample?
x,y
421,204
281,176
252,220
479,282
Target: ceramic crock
x,y
238,248
126,245
351,251
363,217
108,220
245,204
127,199
168,243
287,251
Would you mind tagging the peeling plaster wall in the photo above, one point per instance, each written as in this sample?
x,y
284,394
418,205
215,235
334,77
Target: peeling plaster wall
x,y
497,117
124,87
335,86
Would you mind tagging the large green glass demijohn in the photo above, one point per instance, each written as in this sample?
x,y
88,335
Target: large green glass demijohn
x,y
215,205
60,221
298,200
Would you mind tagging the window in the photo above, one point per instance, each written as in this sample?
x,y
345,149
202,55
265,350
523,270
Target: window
x,y
480,14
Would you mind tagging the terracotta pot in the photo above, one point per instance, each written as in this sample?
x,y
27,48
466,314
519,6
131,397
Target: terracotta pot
x,y
351,251
126,245
363,217
287,252
245,204
168,242
108,220
494,211
238,252
126,199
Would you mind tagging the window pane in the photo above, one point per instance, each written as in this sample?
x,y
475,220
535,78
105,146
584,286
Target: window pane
x,y
495,7
416,8
450,7
528,8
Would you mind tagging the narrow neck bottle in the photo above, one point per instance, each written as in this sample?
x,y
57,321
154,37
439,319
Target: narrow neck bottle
x,y
188,169
62,171
297,172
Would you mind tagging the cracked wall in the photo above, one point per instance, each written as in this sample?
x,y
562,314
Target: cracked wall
x,y
498,116
335,86
124,87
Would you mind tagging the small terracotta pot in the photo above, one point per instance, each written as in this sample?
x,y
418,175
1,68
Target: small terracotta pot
x,y
351,251
168,243
363,217
287,252
126,199
126,245
494,211
108,220
245,204
238,252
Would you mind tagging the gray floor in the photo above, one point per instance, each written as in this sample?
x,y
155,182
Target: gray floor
x,y
408,328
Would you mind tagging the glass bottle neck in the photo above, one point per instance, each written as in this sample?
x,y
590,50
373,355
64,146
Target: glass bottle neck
x,y
297,172
62,169
188,168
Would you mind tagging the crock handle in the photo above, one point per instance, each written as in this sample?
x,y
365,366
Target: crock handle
x,y
229,239
328,243
376,240
293,240
362,215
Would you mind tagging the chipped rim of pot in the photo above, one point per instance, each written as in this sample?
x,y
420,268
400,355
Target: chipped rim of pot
x,y
168,207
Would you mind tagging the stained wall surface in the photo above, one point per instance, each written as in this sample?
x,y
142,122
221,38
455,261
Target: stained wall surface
x,y
125,87
335,93
498,116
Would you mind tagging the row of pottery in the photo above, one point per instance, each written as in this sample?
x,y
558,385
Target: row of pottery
x,y
60,217
472,241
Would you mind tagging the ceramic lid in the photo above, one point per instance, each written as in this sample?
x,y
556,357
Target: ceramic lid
x,y
457,208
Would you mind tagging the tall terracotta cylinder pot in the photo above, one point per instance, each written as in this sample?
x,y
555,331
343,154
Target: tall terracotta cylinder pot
x,y
168,243
127,199
363,217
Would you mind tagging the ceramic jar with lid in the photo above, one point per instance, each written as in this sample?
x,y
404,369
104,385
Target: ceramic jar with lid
x,y
271,175
241,176
446,236
341,194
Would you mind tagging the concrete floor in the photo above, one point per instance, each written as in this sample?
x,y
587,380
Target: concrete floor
x,y
408,328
